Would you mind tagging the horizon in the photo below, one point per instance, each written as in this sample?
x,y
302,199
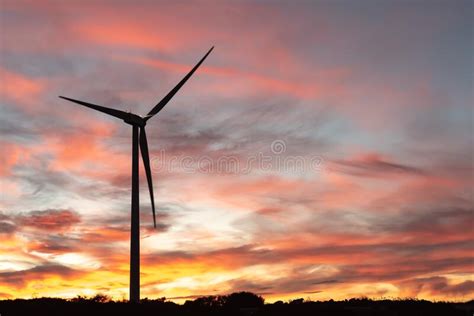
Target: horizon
x,y
103,298
182,301
242,303
323,150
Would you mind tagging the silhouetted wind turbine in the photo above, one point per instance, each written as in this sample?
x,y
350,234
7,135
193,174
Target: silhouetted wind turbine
x,y
139,122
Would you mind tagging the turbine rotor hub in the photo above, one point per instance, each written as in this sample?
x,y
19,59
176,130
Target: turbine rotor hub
x,y
134,119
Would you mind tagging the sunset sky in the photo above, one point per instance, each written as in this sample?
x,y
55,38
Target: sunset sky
x,y
375,97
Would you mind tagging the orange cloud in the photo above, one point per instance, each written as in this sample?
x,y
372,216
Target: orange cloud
x,y
21,90
120,34
50,220
238,81
12,154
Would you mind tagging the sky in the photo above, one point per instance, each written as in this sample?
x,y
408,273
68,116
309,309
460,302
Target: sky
x,y
323,150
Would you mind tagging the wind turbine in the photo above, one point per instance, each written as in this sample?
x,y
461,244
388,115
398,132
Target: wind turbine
x,y
139,137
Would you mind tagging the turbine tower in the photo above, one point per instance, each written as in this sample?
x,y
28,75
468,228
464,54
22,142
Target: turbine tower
x,y
139,140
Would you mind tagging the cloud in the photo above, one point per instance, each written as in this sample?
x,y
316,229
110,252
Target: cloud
x,y
321,269
433,221
249,83
20,90
375,165
49,220
53,244
438,285
13,154
18,279
7,228
373,254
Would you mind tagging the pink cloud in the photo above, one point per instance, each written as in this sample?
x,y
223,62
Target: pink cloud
x,y
21,90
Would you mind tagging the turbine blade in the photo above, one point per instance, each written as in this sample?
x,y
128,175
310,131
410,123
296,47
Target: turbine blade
x,y
170,94
146,163
117,113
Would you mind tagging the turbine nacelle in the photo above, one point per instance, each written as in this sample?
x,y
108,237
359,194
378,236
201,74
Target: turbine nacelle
x,y
134,119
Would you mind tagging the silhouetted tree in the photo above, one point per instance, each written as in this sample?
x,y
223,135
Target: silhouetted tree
x,y
236,304
101,298
243,300
297,301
